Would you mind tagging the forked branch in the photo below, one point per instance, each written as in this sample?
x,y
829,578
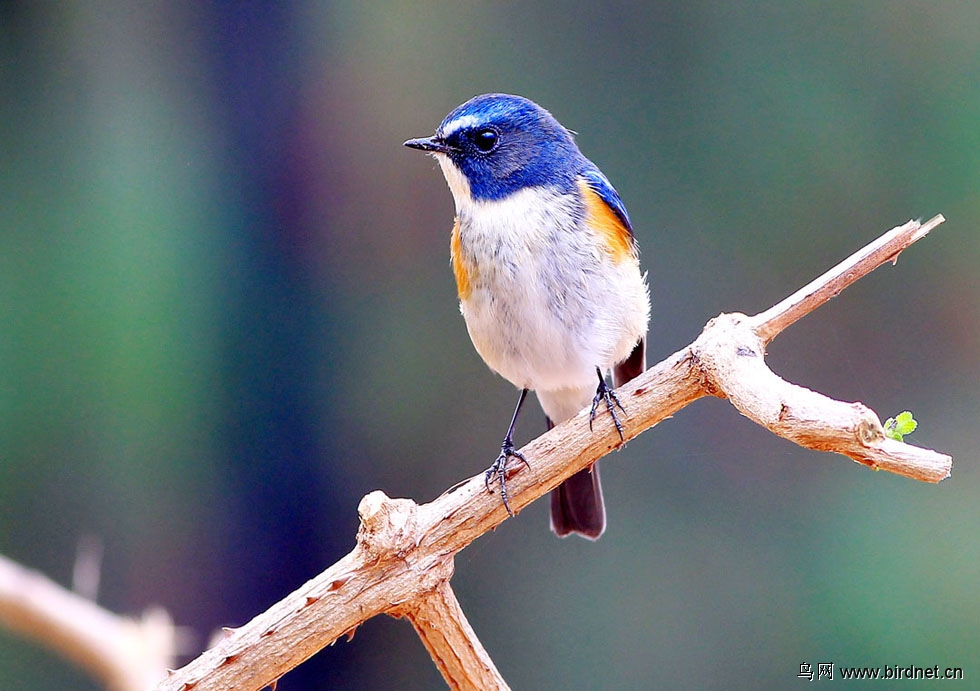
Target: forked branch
x,y
403,559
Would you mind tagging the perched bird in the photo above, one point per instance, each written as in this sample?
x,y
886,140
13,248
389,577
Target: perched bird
x,y
547,272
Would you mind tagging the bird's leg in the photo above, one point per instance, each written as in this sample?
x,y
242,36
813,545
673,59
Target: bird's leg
x,y
608,395
507,451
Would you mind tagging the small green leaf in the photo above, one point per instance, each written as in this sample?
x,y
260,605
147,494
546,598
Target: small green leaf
x,y
897,427
906,423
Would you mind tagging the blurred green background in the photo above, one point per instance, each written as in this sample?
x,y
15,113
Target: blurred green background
x,y
227,313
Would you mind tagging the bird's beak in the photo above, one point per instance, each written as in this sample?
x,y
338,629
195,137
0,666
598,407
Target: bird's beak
x,y
431,144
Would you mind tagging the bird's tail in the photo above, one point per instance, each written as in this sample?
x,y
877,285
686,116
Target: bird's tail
x,y
576,505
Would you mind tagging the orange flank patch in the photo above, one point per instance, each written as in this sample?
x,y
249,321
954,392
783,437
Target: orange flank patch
x,y
604,221
459,264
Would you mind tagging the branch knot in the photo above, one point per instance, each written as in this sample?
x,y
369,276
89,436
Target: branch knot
x,y
387,525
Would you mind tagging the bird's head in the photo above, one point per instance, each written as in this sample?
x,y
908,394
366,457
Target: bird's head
x,y
496,144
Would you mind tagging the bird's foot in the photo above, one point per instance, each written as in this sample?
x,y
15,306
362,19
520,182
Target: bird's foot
x,y
607,395
498,470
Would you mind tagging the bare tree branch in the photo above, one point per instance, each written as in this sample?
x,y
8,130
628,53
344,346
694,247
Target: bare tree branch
x,y
730,353
808,298
404,555
124,654
452,644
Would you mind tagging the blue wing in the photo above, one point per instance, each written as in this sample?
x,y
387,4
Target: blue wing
x,y
598,183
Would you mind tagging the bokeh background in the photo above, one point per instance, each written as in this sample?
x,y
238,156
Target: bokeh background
x,y
226,313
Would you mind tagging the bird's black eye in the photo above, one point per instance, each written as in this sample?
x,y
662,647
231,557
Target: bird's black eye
x,y
486,140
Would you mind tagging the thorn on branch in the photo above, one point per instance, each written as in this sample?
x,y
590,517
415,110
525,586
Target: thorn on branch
x,y
337,583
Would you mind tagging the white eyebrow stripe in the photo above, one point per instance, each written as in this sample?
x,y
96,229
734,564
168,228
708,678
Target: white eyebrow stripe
x,y
462,122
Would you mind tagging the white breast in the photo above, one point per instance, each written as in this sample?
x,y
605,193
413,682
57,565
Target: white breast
x,y
548,304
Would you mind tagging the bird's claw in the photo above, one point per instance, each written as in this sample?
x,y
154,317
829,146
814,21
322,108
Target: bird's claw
x,y
605,394
499,469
